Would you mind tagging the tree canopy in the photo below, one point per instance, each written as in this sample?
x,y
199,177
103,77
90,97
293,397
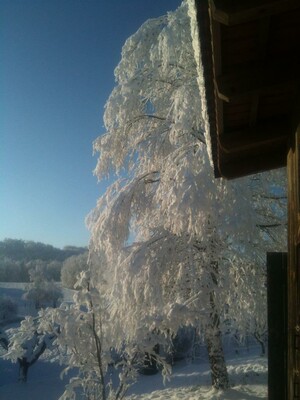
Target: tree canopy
x,y
171,233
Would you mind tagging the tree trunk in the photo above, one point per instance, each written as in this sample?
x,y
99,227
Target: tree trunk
x,y
261,342
213,338
216,358
23,369
24,364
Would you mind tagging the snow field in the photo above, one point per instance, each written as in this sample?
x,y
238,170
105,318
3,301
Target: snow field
x,y
248,376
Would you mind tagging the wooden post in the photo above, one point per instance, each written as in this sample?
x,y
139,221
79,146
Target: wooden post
x,y
277,325
293,362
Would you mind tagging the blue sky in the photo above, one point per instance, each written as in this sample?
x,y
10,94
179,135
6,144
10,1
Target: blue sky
x,y
56,72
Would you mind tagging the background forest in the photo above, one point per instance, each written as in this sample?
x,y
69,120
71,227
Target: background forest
x,y
17,257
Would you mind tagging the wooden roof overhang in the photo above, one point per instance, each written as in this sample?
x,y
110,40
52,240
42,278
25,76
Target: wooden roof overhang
x,y
250,51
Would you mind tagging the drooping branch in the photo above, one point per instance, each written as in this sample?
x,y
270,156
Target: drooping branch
x,y
269,226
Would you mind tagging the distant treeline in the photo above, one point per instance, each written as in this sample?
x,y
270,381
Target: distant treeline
x,y
17,257
23,250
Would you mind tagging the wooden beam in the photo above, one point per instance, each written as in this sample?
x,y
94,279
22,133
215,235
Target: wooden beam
x,y
204,26
293,362
264,30
275,132
257,78
217,70
251,164
230,12
254,109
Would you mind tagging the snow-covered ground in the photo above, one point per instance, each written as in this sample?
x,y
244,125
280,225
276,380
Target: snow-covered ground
x,y
15,290
189,380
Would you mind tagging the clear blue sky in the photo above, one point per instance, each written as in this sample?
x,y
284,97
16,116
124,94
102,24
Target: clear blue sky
x,y
56,72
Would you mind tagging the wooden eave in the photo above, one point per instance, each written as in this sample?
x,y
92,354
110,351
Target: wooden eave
x,y
250,55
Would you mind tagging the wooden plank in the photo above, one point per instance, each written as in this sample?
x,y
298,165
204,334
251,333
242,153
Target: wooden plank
x,y
264,29
230,12
277,325
262,135
293,364
257,78
254,109
217,69
205,43
248,164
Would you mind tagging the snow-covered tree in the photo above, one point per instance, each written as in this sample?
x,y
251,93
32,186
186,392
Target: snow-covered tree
x,y
186,226
12,270
247,303
54,270
41,291
71,269
154,130
246,312
83,336
27,344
